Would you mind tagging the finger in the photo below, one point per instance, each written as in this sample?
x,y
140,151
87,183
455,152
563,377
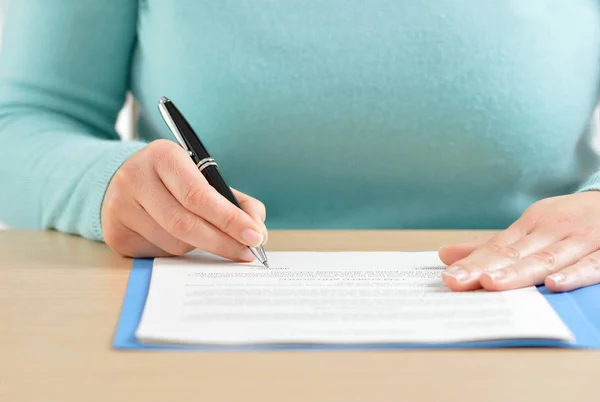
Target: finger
x,y
453,252
255,209
251,205
585,272
533,269
187,227
128,243
136,218
192,191
498,251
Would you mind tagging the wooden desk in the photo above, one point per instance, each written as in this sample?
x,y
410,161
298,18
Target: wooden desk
x,y
60,298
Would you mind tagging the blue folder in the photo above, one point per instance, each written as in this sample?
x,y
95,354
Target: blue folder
x,y
579,309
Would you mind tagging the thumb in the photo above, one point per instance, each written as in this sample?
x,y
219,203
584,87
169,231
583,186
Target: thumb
x,y
454,252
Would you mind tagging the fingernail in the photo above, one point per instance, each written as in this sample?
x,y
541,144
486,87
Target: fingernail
x,y
443,246
496,275
557,277
457,273
252,238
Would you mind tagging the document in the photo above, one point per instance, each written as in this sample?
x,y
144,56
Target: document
x,y
332,298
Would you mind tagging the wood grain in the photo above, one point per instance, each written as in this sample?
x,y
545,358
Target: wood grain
x,y
60,298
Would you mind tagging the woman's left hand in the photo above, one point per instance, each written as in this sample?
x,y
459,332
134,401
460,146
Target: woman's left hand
x,y
555,242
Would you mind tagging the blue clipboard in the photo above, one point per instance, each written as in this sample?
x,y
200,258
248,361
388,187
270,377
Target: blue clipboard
x,y
579,309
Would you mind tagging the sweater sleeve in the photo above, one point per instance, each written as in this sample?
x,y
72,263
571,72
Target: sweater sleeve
x,y
64,76
592,183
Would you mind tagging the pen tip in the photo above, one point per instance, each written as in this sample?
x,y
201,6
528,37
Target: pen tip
x,y
164,99
266,264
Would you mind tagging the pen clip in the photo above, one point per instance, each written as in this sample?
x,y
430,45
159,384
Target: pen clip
x,y
172,126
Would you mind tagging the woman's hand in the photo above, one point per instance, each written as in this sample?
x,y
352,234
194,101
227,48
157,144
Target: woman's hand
x,y
555,242
159,204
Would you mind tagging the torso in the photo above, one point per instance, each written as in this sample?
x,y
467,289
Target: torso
x,y
380,114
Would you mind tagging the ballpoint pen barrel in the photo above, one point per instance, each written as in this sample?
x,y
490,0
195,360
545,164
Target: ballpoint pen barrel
x,y
216,180
190,142
184,133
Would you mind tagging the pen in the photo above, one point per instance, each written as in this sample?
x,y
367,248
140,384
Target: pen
x,y
190,142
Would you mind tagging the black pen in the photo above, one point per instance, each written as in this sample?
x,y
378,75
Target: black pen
x,y
190,142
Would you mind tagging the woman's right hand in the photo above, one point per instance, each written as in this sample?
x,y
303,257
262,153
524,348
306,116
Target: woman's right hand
x,y
159,204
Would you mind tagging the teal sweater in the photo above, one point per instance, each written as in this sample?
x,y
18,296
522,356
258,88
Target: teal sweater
x,y
336,114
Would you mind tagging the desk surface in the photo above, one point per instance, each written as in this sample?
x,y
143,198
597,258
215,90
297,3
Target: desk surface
x,y
60,298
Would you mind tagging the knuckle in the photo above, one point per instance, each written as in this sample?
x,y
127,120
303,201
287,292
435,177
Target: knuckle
x,y
521,275
529,221
196,197
547,258
161,154
510,252
181,224
229,221
534,213
564,220
588,233
593,262
491,247
161,147
576,273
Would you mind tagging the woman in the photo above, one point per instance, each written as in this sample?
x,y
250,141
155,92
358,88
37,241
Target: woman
x,y
337,114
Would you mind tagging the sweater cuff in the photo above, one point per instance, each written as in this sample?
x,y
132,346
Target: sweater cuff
x,y
100,182
591,184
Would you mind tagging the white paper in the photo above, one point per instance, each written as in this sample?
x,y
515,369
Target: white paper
x,y
334,297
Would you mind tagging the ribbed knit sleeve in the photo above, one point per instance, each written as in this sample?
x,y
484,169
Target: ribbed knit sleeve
x,y
64,76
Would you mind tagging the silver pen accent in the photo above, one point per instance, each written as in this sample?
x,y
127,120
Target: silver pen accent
x,y
259,253
171,124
